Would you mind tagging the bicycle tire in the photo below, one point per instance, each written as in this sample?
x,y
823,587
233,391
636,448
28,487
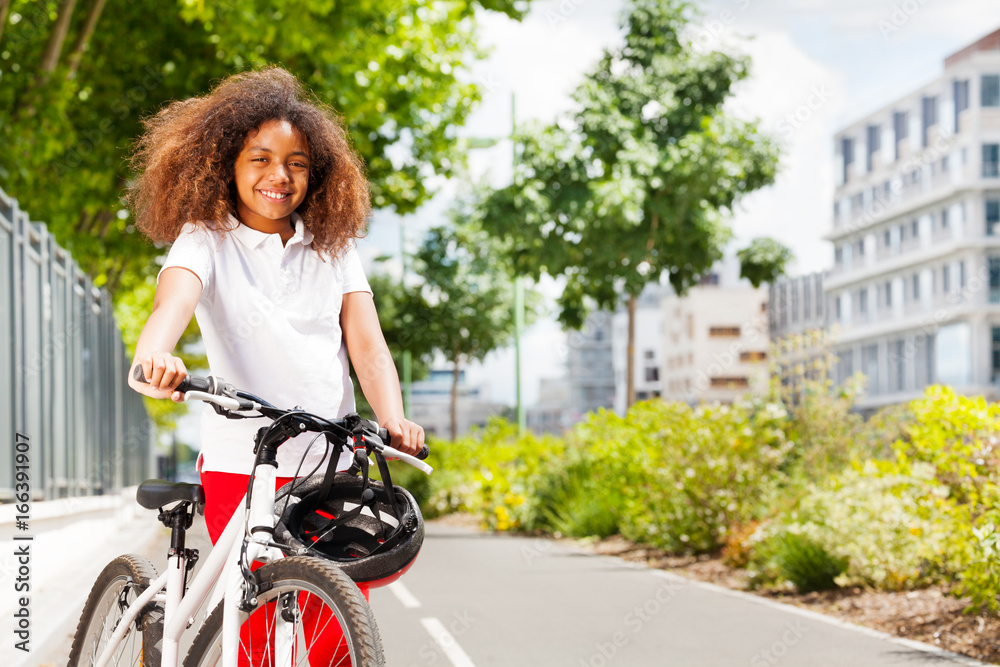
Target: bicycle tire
x,y
318,580
123,579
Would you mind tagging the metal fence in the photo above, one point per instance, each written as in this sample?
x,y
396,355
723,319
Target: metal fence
x,y
62,373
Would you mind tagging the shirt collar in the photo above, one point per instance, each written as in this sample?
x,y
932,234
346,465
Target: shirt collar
x,y
253,238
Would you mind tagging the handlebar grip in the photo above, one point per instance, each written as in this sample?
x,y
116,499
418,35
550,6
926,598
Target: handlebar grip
x,y
383,435
194,383
191,382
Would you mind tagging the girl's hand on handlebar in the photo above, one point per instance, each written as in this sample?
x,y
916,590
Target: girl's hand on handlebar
x,y
163,372
406,436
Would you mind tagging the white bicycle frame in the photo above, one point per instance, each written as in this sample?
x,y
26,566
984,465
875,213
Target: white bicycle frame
x,y
224,559
180,608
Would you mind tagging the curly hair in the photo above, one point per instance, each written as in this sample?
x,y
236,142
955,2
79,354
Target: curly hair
x,y
185,160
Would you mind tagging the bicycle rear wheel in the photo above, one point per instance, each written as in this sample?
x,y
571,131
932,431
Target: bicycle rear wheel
x,y
322,611
119,584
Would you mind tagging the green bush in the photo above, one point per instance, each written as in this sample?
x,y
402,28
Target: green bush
x,y
891,529
807,565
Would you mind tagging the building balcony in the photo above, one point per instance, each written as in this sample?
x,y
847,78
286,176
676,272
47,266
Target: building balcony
x,y
841,277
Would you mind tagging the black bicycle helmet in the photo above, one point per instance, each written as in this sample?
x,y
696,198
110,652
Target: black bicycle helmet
x,y
373,539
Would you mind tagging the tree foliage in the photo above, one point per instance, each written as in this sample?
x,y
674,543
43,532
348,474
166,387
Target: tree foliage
x,y
763,261
636,183
470,292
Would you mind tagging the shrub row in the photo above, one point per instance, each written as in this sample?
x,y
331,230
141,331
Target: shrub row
x,y
811,496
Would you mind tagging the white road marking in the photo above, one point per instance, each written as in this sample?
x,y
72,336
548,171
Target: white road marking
x,y
404,595
447,642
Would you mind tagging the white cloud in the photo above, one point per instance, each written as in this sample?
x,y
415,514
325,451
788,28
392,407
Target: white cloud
x,y
795,97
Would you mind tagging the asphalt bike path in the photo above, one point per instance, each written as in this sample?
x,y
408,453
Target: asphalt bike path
x,y
474,599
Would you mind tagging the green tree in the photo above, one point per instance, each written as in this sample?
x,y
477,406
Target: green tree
x,y
77,77
637,182
470,293
406,319
763,261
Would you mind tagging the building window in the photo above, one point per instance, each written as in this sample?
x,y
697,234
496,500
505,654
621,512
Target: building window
x,y
652,374
731,382
847,150
794,287
915,229
806,301
961,99
888,293
928,108
723,332
897,364
990,90
863,301
916,286
753,356
961,275
838,255
992,216
995,375
874,137
991,160
944,219
649,354
837,307
945,278
869,366
994,279
900,126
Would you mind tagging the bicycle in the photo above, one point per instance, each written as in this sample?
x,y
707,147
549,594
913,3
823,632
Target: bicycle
x,y
306,586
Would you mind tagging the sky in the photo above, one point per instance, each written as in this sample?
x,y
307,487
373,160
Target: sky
x,y
818,65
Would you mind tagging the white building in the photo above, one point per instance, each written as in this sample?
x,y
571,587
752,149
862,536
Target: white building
x,y
553,413
647,347
589,368
915,288
715,343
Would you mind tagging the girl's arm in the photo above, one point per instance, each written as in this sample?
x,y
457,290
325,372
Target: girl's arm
x,y
176,297
373,364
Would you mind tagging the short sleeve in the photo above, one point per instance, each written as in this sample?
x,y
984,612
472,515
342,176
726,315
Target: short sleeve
x,y
353,273
193,250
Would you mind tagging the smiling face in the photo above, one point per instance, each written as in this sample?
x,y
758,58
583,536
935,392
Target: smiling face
x,y
272,177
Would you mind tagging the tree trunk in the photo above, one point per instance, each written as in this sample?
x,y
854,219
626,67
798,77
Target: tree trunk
x,y
454,399
630,355
81,43
4,8
50,59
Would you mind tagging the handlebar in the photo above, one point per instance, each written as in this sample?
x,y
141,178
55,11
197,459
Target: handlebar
x,y
212,389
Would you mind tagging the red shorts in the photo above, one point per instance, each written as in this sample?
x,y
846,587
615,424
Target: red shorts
x,y
223,492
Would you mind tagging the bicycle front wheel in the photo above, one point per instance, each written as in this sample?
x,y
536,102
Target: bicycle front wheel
x,y
119,584
309,613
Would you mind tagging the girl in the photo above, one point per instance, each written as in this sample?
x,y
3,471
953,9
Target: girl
x,y
261,195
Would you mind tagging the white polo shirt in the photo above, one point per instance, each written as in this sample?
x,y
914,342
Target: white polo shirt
x,y
270,318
